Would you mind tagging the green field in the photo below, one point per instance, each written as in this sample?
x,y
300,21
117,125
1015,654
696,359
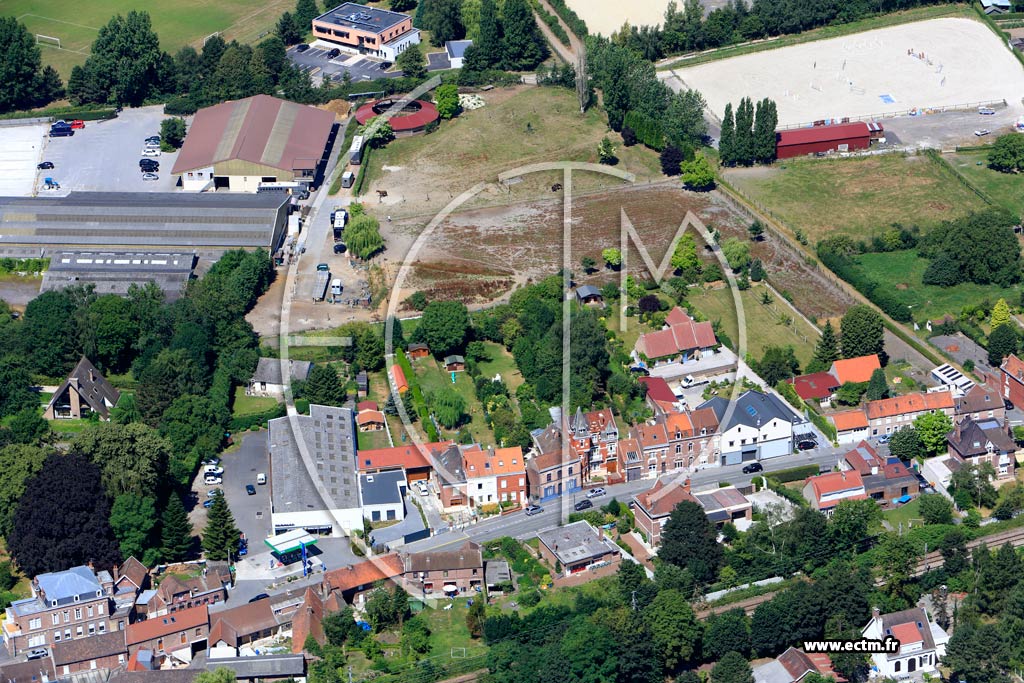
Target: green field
x,y
1006,189
766,325
250,405
501,362
902,271
184,22
432,377
860,197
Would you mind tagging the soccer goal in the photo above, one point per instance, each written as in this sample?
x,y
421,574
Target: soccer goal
x,y
215,33
48,40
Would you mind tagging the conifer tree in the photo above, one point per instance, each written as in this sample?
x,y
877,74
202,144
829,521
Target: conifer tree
x,y
176,534
221,536
727,141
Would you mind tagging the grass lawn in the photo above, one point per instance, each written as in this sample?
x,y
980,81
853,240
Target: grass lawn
x,y
860,197
432,377
70,426
368,440
248,405
448,630
904,513
902,271
766,325
900,370
1003,188
501,363
177,23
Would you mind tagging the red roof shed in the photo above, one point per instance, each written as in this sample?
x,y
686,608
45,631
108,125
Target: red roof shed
x,y
801,141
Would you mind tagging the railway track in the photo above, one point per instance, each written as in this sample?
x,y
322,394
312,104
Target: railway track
x,y
933,559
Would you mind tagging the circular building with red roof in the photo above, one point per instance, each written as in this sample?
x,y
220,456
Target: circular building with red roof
x,y
414,116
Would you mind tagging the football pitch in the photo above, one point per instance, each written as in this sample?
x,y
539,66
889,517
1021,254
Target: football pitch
x,y
179,23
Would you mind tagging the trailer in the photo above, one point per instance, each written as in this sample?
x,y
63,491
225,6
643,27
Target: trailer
x,y
323,278
355,152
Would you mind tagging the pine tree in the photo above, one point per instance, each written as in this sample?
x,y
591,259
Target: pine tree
x,y
323,386
523,43
1000,314
827,350
176,534
878,388
489,45
771,122
764,131
727,141
305,12
221,536
743,136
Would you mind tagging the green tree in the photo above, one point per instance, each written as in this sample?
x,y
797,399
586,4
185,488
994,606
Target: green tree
x,y
727,140
412,62
612,257
15,387
725,633
288,29
19,463
1007,154
635,589
896,557
175,531
756,230
690,541
850,522
766,120
370,350
444,327
123,65
132,458
826,351
323,386
860,332
489,44
220,537
26,84
778,363
443,18
305,12
936,509
932,429
194,426
133,519
447,99
588,264
27,426
172,131
685,260
972,485
743,141
1000,314
978,653
906,444
416,637
363,233
683,121
171,374
732,668
448,407
522,43
126,411
737,253
697,174
606,152
674,629
221,674
878,386
1002,341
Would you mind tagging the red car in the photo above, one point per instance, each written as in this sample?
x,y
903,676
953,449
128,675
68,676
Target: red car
x,y
78,123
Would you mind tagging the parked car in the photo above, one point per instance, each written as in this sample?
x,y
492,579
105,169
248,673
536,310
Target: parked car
x,y
595,493
752,467
533,510
302,48
45,166
340,248
986,111
250,489
385,65
261,596
1008,404
212,461
261,478
61,132
212,480
806,445
213,469
151,152
208,503
38,653
78,124
148,165
334,52
323,267
583,505
884,438
983,132
153,139
150,176
213,492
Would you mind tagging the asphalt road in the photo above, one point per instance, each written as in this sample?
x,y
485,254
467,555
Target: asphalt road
x,y
520,525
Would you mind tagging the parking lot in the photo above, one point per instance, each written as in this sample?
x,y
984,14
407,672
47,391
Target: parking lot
x,y
104,156
315,62
252,513
20,151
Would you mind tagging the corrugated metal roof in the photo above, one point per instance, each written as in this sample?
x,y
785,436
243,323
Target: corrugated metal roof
x,y
802,136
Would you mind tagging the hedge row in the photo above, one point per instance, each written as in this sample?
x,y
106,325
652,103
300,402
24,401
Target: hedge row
x,y
418,402
571,19
647,130
90,113
794,474
822,423
241,423
878,293
552,21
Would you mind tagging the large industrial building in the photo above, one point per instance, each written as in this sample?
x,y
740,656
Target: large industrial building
x,y
115,272
367,30
326,502
843,137
243,144
166,222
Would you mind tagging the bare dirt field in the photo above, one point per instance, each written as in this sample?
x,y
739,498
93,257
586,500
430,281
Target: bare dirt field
x,y
954,61
607,16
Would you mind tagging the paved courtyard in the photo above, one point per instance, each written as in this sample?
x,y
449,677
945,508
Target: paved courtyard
x,y
20,150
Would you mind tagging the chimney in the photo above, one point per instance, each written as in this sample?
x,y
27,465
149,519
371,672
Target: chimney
x,y
92,375
686,485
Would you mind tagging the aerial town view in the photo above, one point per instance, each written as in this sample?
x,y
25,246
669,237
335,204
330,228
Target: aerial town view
x,y
512,341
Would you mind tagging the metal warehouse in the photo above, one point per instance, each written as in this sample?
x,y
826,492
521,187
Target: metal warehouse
x,y
115,272
844,137
141,221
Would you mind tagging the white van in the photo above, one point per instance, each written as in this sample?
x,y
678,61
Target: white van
x,y
347,179
261,478
336,287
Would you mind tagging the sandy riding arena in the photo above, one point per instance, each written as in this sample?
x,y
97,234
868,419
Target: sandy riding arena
x,y
929,64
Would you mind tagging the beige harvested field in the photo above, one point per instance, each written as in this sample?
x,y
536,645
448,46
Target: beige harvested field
x,y
869,73
607,16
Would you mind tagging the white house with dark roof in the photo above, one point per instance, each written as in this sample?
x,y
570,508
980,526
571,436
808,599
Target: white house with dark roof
x,y
268,380
383,495
757,426
922,643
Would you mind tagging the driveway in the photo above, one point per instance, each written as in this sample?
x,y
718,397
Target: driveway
x,y
393,535
104,156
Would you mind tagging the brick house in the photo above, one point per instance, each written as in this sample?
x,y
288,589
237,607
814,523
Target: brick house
x,y
445,572
353,582
888,415
417,351
659,395
253,621
66,605
177,592
577,547
549,472
107,651
449,476
85,391
721,505
495,475
976,441
978,403
1012,380
851,425
825,491
885,479
631,460
187,629
682,340
595,437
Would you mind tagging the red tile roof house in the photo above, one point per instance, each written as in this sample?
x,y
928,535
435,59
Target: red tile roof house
x,y
355,581
891,414
416,461
818,386
681,340
655,505
793,665
851,425
308,619
370,421
495,476
854,370
659,396
1012,380
177,592
253,621
885,479
186,629
107,651
595,437
825,491
443,572
549,473
976,441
